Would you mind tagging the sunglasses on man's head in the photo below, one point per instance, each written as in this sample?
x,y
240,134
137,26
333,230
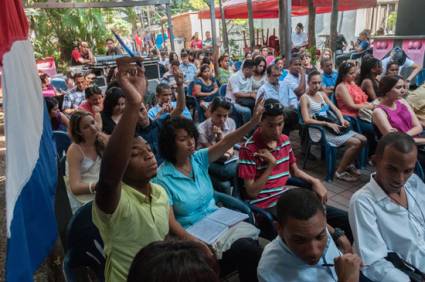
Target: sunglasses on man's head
x,y
273,106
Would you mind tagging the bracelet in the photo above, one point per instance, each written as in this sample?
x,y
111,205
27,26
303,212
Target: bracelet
x,y
337,234
90,189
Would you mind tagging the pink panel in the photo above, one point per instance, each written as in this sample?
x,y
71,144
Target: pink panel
x,y
382,47
415,50
47,66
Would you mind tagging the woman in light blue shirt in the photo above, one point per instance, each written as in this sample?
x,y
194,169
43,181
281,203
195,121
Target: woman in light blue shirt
x,y
184,175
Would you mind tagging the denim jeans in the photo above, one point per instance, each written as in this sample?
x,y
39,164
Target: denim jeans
x,y
222,176
240,114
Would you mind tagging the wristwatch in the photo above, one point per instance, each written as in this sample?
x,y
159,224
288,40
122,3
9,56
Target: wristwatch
x,y
337,233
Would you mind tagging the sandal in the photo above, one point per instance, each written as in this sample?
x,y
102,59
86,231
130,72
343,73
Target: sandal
x,y
353,170
345,176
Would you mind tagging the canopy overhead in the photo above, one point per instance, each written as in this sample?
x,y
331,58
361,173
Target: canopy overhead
x,y
262,9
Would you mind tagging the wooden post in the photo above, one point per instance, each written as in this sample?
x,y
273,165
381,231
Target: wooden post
x,y
170,26
334,24
285,29
311,24
213,26
251,25
224,28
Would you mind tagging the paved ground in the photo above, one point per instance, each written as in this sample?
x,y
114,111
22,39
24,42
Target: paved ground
x,y
339,192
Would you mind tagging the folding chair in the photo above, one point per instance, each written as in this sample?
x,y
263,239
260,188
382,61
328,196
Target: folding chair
x,y
62,142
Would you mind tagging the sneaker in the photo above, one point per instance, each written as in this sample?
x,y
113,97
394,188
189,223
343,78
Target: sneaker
x,y
346,176
353,170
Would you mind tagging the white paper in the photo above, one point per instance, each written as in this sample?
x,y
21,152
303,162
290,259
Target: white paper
x,y
227,217
207,230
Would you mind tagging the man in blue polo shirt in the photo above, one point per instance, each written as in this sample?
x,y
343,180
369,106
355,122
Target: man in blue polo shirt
x,y
329,76
304,250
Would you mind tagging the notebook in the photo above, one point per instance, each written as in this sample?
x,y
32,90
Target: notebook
x,y
210,228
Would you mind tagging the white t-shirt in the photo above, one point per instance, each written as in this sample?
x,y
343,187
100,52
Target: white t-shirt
x,y
298,39
238,84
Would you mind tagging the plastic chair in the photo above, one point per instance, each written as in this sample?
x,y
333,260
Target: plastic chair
x,y
63,210
222,90
59,84
238,65
62,142
327,150
355,124
84,246
262,218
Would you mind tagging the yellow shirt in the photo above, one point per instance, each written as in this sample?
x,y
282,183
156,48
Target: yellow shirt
x,y
135,223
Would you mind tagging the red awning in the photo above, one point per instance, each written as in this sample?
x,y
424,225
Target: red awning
x,y
237,9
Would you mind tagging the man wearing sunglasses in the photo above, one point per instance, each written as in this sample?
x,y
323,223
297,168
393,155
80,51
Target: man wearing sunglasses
x,y
267,162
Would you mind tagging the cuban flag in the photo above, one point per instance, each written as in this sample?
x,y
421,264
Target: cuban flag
x,y
30,152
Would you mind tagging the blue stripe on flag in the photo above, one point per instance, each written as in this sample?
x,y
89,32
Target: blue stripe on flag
x,y
33,228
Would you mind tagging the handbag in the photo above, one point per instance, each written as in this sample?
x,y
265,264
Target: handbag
x,y
414,274
327,115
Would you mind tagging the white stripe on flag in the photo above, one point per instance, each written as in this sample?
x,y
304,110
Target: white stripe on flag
x,y
23,104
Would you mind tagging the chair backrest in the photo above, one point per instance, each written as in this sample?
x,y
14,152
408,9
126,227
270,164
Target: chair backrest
x,y
59,84
84,246
223,89
238,65
63,210
62,142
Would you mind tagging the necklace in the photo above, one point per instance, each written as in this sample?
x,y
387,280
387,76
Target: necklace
x,y
186,171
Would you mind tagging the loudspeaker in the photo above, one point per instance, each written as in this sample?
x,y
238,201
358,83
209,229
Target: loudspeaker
x,y
152,70
410,17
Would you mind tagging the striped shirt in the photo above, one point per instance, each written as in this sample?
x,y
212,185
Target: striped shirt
x,y
251,167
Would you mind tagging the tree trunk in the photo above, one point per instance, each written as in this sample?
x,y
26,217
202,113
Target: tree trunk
x,y
251,25
285,29
224,28
334,24
311,23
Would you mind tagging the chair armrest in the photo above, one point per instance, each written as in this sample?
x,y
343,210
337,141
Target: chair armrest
x,y
354,121
268,216
234,204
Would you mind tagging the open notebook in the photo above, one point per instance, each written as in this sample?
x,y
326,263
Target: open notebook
x,y
210,228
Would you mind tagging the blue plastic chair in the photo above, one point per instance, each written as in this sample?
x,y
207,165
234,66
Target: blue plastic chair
x,y
238,65
420,78
62,142
327,150
59,84
364,154
223,89
84,246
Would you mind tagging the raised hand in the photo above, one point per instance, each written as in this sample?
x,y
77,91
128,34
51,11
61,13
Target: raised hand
x,y
258,111
178,76
132,79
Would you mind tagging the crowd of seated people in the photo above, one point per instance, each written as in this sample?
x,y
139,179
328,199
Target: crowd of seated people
x,y
152,169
